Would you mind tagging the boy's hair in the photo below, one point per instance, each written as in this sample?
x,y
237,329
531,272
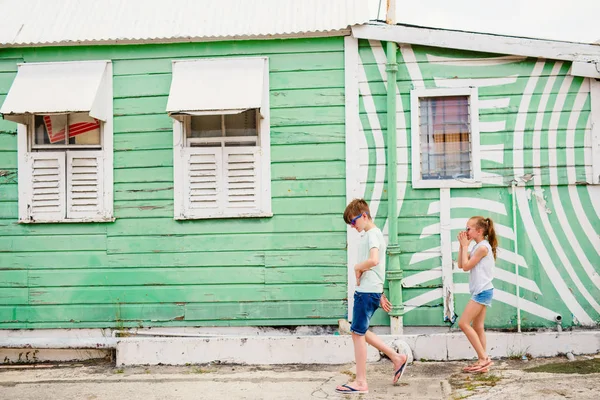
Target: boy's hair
x,y
355,208
487,225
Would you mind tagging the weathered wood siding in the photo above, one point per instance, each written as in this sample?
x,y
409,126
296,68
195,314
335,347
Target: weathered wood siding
x,y
146,269
534,123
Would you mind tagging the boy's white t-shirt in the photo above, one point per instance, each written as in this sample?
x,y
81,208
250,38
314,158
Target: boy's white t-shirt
x,y
372,281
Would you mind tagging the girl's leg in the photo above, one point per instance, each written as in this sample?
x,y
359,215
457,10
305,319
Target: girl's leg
x,y
472,310
478,325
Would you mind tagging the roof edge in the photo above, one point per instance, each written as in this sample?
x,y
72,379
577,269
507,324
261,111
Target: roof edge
x,y
296,35
481,42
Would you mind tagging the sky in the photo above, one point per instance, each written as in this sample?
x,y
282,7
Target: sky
x,y
573,21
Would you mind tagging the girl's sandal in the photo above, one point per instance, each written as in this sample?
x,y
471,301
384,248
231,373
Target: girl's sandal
x,y
471,367
483,367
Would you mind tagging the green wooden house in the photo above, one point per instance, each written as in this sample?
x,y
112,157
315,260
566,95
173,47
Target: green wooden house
x,y
189,167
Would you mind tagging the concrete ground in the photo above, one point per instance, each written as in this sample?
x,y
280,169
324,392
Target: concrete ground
x,y
423,380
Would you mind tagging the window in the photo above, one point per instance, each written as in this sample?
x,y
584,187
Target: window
x,y
221,138
445,138
64,112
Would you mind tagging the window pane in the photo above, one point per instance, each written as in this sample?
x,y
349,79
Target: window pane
x,y
445,137
50,129
243,124
83,129
205,126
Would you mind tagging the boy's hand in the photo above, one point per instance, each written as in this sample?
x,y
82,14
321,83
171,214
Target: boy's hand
x,y
358,273
385,303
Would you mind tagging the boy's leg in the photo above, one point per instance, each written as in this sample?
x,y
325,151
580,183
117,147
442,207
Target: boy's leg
x,y
397,359
472,310
360,355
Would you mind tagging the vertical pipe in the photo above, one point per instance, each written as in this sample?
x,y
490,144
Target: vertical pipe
x,y
514,217
394,274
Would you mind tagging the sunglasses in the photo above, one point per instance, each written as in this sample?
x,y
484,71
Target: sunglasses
x,y
353,221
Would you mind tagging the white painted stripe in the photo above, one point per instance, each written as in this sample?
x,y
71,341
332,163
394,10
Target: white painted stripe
x,y
492,179
380,160
479,204
413,67
502,231
501,254
523,204
492,126
583,221
434,207
470,202
424,298
434,252
539,120
473,62
511,277
429,230
492,152
552,131
476,82
559,247
401,134
422,277
511,300
500,102
594,193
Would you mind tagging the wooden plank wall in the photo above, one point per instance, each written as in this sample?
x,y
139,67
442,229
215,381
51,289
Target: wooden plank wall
x,y
146,269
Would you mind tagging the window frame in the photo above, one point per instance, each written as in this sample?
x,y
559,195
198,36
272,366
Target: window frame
x,y
181,122
25,127
417,180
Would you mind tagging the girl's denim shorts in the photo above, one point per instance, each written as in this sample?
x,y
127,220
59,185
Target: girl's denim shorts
x,y
484,297
365,305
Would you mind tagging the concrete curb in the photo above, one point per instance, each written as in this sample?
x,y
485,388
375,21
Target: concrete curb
x,y
338,349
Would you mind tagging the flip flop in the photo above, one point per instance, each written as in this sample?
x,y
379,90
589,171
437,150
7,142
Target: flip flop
x,y
470,367
350,390
400,372
485,366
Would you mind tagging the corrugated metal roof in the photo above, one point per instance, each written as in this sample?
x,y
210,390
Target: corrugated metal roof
x,y
52,22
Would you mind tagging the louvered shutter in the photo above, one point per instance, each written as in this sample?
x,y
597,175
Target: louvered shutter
x,y
46,197
85,171
202,182
242,179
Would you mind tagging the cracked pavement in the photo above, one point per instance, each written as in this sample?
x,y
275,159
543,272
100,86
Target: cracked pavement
x,y
422,380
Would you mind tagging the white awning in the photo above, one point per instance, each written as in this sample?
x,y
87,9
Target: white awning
x,y
59,87
217,86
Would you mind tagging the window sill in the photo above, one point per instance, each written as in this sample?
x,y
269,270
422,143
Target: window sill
x,y
445,183
68,221
223,216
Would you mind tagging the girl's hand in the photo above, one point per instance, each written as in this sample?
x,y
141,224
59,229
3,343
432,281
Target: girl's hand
x,y
463,239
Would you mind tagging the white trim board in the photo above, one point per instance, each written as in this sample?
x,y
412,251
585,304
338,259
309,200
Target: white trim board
x,y
481,42
351,60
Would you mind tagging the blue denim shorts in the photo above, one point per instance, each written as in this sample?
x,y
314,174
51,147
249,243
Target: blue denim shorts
x,y
484,297
365,305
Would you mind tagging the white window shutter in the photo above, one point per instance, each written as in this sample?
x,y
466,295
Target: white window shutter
x,y
202,182
46,195
242,180
85,191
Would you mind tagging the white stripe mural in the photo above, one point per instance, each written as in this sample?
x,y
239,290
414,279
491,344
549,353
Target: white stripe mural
x,y
534,131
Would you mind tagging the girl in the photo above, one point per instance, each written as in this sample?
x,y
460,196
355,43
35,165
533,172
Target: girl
x,y
480,263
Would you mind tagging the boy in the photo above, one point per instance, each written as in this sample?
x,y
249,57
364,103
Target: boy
x,y
370,275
